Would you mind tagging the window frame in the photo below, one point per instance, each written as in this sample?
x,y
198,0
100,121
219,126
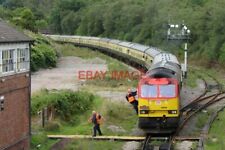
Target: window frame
x,y
25,65
160,93
22,63
13,60
143,81
152,86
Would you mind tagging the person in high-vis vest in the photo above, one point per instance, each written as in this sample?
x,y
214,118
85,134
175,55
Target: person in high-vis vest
x,y
96,119
131,99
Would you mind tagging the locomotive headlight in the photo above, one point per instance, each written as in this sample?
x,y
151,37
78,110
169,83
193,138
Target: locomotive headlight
x,y
172,112
144,111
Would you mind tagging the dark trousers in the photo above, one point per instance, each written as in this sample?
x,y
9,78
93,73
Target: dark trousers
x,y
135,105
97,128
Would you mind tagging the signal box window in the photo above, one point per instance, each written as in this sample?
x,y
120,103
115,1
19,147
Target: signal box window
x,y
22,59
7,61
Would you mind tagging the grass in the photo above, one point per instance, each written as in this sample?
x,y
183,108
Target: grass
x,y
40,141
94,145
196,71
193,146
216,140
192,78
113,113
71,50
82,126
202,118
112,65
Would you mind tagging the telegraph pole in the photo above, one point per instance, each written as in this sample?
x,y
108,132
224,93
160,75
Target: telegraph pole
x,y
180,33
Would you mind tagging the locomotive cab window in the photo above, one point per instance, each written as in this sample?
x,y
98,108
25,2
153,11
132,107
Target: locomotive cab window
x,y
158,88
167,90
149,91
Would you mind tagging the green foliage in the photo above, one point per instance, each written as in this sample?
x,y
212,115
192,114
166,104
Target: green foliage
x,y
202,119
42,140
12,4
94,145
216,135
41,24
66,103
138,21
38,138
43,54
63,18
24,18
53,126
4,13
70,22
146,22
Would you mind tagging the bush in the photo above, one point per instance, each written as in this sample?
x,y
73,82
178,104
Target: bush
x,y
38,138
43,54
65,102
53,126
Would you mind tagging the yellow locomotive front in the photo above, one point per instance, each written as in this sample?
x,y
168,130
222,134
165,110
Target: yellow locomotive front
x,y
158,103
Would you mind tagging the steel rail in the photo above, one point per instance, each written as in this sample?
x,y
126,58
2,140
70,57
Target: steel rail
x,y
146,142
209,103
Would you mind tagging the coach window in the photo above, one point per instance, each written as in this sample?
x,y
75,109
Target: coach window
x,y
7,61
22,59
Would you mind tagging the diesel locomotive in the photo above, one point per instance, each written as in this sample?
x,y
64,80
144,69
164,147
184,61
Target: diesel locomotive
x,y
158,95
158,90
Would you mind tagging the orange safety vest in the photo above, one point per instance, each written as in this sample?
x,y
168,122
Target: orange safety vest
x,y
131,99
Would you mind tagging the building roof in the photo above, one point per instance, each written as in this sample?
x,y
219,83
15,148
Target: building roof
x,y
9,34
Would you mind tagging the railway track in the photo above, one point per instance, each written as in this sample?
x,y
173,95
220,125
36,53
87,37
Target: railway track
x,y
205,100
146,142
167,142
198,99
212,99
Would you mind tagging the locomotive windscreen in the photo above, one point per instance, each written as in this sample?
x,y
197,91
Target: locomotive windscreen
x,y
167,90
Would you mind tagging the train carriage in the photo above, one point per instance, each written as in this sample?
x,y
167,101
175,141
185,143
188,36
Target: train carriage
x,y
158,90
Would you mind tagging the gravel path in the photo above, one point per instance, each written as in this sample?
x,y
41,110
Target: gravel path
x,y
188,94
65,75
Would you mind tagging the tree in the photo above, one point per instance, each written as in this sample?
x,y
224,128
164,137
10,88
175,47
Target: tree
x,y
24,17
61,12
70,23
41,24
12,4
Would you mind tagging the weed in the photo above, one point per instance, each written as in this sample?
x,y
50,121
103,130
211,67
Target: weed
x,y
94,145
216,134
66,103
41,142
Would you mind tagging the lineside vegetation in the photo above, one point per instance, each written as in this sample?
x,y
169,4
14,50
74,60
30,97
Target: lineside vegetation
x,y
71,113
139,21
